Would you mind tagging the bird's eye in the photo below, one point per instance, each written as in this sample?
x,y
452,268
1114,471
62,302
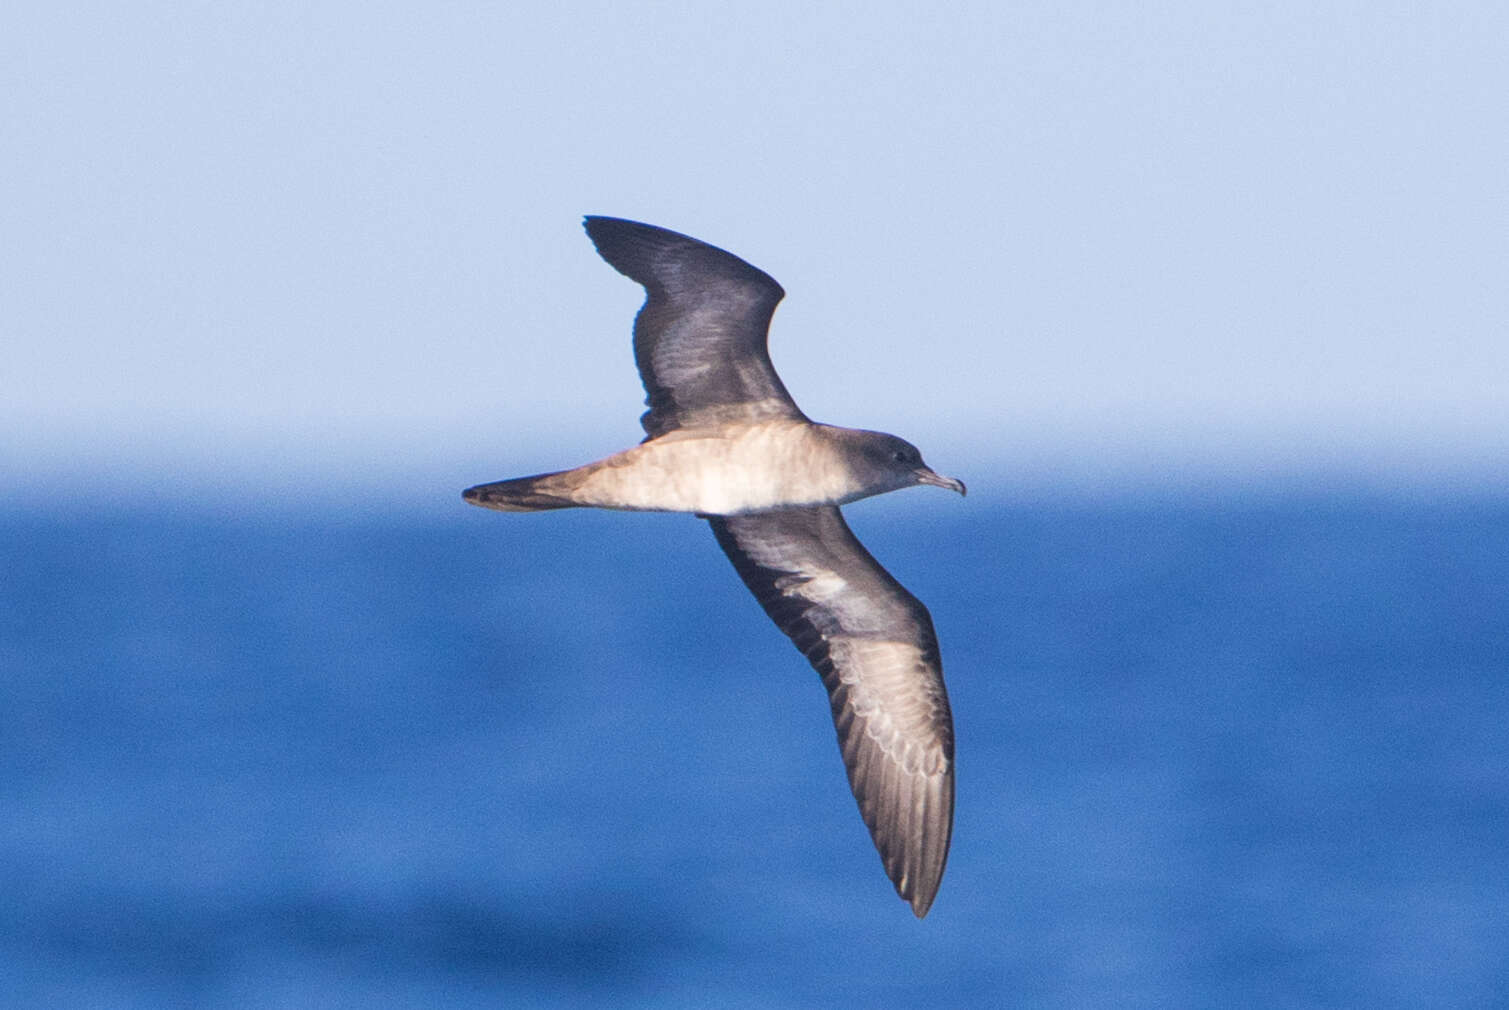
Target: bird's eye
x,y
899,456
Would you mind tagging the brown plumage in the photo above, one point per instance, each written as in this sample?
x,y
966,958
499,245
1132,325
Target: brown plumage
x,y
725,440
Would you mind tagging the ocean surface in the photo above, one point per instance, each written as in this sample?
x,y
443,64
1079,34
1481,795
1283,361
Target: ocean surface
x,y
1209,755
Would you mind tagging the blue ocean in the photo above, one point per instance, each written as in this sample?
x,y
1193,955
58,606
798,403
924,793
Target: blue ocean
x,y
1211,753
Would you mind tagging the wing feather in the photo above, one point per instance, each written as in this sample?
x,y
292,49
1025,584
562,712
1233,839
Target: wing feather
x,y
874,646
700,341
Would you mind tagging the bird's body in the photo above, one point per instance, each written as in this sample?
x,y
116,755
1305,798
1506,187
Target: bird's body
x,y
731,469
726,442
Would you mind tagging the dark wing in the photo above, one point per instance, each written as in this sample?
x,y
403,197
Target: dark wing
x,y
874,645
699,340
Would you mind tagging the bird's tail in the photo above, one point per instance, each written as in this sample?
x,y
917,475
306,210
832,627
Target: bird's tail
x,y
522,494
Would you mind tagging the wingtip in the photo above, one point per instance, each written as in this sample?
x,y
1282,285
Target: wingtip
x,y
593,221
600,226
920,895
655,256
630,247
596,224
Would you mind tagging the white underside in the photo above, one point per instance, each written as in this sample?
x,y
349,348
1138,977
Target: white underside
x,y
735,469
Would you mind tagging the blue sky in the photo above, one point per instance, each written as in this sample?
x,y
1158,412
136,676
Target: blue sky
x,y
340,243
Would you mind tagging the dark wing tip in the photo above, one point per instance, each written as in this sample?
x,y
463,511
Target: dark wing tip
x,y
930,874
631,247
618,239
910,817
652,255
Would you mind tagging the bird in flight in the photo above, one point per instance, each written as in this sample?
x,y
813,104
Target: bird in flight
x,y
726,442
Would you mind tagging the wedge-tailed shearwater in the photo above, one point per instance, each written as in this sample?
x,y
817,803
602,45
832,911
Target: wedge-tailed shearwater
x,y
726,442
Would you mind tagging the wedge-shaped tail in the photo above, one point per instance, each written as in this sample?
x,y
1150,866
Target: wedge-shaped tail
x,y
522,494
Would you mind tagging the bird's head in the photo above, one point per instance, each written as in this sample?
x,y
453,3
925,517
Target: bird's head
x,y
890,463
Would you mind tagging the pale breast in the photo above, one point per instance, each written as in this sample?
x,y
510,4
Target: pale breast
x,y
725,471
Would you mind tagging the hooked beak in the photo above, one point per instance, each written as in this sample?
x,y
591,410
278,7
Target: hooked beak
x,y
926,476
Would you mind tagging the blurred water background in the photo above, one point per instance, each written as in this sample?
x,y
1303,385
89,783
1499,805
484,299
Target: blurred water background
x,y
1211,753
1206,302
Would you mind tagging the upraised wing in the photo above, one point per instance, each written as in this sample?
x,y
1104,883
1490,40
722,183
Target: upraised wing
x,y
700,339
874,646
